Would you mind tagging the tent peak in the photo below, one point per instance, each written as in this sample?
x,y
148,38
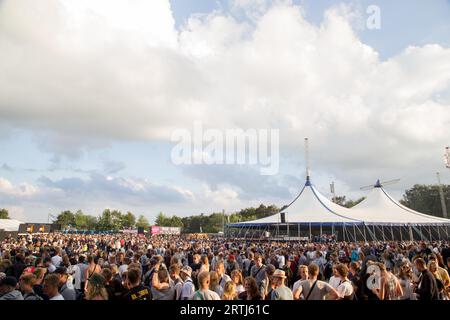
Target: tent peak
x,y
378,184
308,181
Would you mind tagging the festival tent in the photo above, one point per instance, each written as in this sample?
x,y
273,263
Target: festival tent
x,y
309,207
379,216
10,225
380,208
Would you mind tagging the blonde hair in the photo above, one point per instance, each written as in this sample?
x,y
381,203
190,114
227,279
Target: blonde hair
x,y
213,280
96,287
94,291
229,291
430,263
202,278
239,274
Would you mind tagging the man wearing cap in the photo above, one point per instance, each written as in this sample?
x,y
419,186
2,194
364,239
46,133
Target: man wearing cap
x,y
280,291
8,289
66,292
188,288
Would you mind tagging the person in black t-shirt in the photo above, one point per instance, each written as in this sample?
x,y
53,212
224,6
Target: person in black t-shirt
x,y
136,291
106,272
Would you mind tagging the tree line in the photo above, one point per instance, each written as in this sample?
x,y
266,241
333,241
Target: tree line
x,y
422,198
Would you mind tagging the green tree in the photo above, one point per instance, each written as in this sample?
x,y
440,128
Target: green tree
x,y
352,203
84,221
176,221
162,220
4,214
91,222
342,201
65,219
80,220
142,222
426,199
128,220
105,222
116,220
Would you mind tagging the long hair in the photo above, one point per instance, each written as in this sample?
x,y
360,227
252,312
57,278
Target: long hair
x,y
253,287
214,280
229,291
239,275
96,287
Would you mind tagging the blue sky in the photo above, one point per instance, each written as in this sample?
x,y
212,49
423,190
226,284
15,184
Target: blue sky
x,y
76,133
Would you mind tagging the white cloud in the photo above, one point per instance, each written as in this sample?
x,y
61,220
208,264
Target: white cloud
x,y
93,72
21,190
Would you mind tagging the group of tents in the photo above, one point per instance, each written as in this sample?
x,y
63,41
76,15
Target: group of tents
x,y
378,217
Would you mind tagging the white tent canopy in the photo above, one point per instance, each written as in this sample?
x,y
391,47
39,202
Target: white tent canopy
x,y
380,208
310,206
10,224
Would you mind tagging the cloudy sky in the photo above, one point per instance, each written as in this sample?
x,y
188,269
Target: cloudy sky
x,y
92,90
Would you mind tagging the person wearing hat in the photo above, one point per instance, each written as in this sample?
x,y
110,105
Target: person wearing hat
x,y
67,292
280,291
188,288
8,289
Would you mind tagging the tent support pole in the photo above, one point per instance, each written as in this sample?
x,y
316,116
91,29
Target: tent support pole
x,y
363,234
298,231
354,232
374,233
343,231
364,229
320,233
411,236
401,235
439,232
431,235
332,229
392,233
310,237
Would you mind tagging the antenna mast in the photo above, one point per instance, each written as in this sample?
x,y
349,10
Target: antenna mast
x,y
307,159
441,194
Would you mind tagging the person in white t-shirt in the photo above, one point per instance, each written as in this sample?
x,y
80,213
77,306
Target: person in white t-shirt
x,y
303,274
51,287
188,288
204,293
281,260
335,279
345,287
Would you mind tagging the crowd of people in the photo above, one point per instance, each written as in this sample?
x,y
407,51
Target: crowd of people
x,y
59,266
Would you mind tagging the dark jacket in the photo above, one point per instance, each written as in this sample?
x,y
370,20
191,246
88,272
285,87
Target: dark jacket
x,y
427,288
18,268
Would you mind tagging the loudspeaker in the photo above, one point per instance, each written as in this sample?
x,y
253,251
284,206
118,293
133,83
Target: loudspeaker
x,y
283,217
55,227
140,230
